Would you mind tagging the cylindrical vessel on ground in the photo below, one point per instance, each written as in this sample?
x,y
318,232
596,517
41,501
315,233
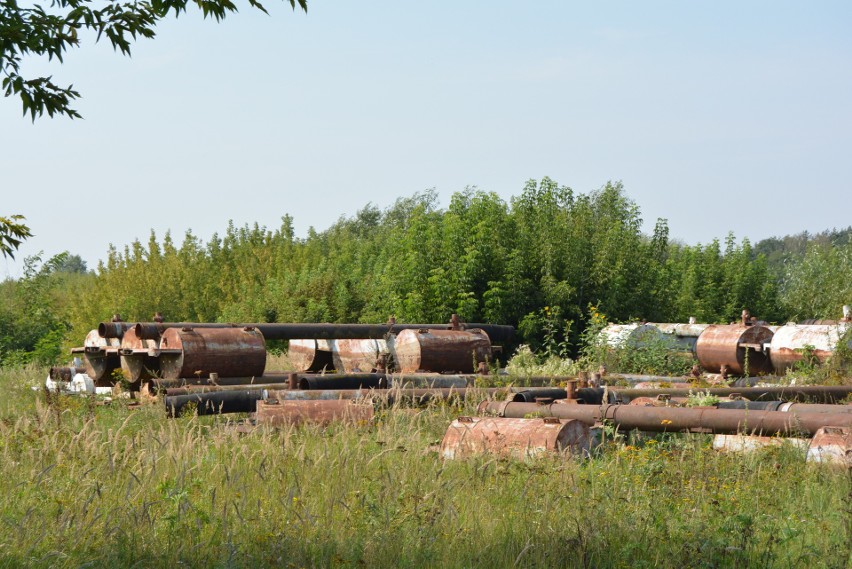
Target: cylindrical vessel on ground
x,y
441,350
739,348
793,342
101,358
517,438
308,355
229,352
139,359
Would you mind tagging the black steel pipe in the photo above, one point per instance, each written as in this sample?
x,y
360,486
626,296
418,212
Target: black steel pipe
x,y
215,403
325,331
746,404
820,393
171,391
531,395
360,381
677,419
160,384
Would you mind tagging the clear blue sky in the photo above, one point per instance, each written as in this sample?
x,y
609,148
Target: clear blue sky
x,y
719,116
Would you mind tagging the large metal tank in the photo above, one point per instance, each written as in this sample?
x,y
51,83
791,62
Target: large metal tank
x,y
736,346
630,335
139,358
230,352
310,355
681,336
101,358
791,341
441,350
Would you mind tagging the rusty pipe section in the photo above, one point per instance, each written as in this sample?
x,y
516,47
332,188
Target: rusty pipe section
x,y
820,393
676,419
287,331
276,413
390,396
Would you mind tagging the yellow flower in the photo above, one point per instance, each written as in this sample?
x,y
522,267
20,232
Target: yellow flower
x,y
665,422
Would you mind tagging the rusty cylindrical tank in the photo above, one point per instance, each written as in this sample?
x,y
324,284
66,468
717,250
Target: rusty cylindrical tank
x,y
310,355
740,348
321,412
790,343
230,352
101,358
139,359
441,350
517,438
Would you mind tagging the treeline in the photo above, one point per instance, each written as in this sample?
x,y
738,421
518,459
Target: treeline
x,y
540,261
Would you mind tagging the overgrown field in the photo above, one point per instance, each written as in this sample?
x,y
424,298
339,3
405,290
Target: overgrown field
x,y
106,486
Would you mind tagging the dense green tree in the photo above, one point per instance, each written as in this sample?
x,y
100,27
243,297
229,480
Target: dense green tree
x,y
33,30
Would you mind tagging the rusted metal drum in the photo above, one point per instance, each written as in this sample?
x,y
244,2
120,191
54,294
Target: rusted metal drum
x,y
354,356
280,413
441,350
230,352
310,355
101,358
740,348
139,359
790,343
517,438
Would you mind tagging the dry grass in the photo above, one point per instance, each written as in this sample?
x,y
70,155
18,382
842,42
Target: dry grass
x,y
106,486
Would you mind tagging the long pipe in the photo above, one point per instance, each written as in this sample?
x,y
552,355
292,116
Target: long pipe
x,y
324,331
190,389
785,407
269,377
822,393
676,419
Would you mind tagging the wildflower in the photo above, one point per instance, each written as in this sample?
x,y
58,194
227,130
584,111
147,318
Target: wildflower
x,y
665,422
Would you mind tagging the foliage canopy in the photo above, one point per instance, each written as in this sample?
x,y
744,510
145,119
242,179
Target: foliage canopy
x,y
50,32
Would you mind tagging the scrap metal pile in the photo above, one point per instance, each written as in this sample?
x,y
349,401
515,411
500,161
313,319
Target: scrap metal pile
x,y
210,368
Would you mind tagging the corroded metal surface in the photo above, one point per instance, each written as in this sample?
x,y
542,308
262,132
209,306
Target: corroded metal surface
x,y
199,352
832,445
280,413
357,355
441,350
677,419
139,359
308,355
517,438
790,343
101,358
739,348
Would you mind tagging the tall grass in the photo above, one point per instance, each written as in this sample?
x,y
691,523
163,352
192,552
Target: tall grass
x,y
106,486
